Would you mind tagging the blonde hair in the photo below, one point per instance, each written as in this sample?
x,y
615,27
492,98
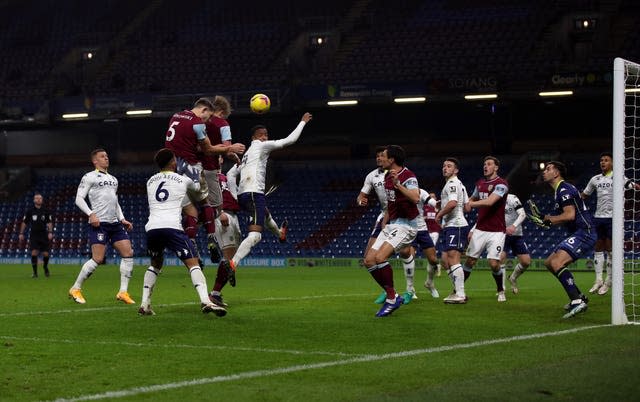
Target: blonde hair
x,y
220,103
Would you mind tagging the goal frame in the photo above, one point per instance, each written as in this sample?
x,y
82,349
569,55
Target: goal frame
x,y
618,313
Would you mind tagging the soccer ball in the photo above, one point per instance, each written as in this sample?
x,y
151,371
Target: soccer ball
x,y
260,103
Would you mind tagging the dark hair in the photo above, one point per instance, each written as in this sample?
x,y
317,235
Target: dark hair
x,y
96,151
380,148
492,158
163,157
256,128
397,153
204,102
607,153
455,161
561,167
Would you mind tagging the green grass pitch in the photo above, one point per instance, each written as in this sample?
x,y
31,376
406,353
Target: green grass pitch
x,y
307,334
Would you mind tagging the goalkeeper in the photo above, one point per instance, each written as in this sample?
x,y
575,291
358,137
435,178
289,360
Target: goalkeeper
x,y
571,212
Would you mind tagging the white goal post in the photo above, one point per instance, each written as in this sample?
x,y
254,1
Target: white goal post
x,y
625,296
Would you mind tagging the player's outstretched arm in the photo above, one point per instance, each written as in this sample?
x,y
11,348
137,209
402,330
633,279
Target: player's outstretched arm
x,y
295,134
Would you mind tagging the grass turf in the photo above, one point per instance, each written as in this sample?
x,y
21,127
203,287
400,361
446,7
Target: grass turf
x,y
307,333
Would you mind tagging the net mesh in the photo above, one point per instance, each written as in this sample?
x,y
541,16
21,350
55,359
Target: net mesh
x,y
631,289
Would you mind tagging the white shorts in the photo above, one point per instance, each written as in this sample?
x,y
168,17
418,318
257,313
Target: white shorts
x,y
434,237
491,242
228,236
398,236
196,169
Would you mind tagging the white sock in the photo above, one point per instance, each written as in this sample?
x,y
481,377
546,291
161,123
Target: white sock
x,y
150,277
457,277
517,271
85,272
126,270
272,226
598,264
431,271
245,247
200,283
409,265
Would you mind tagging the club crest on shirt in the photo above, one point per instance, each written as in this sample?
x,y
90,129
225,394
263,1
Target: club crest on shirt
x,y
34,217
490,188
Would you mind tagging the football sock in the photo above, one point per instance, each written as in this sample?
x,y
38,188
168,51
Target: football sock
x,y
190,225
467,271
499,278
409,265
45,263
566,279
608,267
126,270
244,249
199,283
34,264
150,277
431,271
517,271
209,218
221,279
272,225
383,274
457,277
598,264
85,272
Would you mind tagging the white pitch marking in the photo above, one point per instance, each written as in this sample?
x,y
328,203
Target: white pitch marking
x,y
120,307
180,346
271,372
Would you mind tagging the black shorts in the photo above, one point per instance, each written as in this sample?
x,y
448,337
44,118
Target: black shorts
x,y
40,243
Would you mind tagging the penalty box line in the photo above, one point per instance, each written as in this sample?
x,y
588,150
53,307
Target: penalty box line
x,y
292,369
178,346
81,309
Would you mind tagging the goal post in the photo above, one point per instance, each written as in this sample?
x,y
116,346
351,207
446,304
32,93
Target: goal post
x,y
625,283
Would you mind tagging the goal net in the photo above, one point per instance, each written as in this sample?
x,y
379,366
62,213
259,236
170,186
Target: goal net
x,y
625,302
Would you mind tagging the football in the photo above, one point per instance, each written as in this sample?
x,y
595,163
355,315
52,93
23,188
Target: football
x,y
260,103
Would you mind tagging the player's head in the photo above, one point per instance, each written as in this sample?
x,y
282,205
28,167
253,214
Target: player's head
x,y
100,159
165,159
395,155
221,107
450,167
490,166
37,199
259,132
379,150
203,108
606,162
554,171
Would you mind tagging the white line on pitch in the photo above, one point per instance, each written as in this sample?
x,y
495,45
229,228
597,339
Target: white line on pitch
x,y
291,369
179,346
120,307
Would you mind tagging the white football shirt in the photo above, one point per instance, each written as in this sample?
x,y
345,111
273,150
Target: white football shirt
x,y
165,192
375,181
253,168
603,186
454,190
514,213
102,190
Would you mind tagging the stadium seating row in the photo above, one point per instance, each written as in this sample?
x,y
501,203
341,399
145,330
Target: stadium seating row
x,y
323,218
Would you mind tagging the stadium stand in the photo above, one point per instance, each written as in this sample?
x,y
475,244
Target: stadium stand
x,y
163,48
317,198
